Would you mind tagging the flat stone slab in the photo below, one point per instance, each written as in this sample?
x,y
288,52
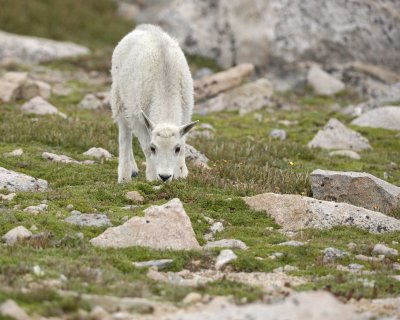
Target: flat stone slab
x,y
226,243
162,227
19,182
357,188
295,212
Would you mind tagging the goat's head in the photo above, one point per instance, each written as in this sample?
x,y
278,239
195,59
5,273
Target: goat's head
x,y
167,147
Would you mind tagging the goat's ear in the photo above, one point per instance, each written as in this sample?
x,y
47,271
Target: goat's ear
x,y
147,122
187,127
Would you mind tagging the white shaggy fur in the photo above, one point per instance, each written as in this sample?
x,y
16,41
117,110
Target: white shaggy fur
x,y
151,97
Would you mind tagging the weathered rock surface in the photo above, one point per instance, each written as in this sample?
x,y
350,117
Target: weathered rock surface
x,y
40,107
10,308
226,243
357,188
386,118
345,153
335,135
224,257
63,158
299,306
17,182
162,227
323,83
33,50
33,88
381,249
294,212
7,197
98,153
36,209
278,134
332,254
88,219
17,234
249,97
196,156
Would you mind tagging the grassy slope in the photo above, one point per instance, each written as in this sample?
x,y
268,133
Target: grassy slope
x,y
244,161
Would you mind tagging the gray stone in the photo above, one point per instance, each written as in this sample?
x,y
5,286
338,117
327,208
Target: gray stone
x,y
15,153
19,182
98,153
292,243
162,227
9,91
331,254
40,107
58,158
355,267
34,50
386,118
335,135
323,83
345,153
224,257
381,249
216,227
36,209
89,220
226,243
357,188
33,88
10,308
159,264
198,159
278,134
370,259
17,234
90,102
295,212
286,268
7,197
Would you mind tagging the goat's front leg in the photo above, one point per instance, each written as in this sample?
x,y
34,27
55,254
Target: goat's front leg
x,y
127,167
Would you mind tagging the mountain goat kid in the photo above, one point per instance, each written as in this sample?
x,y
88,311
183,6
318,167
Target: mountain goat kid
x,y
151,97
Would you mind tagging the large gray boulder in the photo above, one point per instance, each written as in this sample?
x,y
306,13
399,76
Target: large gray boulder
x,y
235,31
323,83
386,118
295,212
31,50
335,135
162,227
357,188
18,182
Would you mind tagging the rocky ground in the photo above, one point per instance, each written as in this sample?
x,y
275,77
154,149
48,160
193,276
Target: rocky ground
x,y
291,209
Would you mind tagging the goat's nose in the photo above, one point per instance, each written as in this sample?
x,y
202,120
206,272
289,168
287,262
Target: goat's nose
x,y
164,177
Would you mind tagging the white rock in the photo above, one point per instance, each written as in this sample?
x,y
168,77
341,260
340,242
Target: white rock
x,y
34,88
98,313
19,182
278,134
7,197
224,257
292,243
331,254
384,250
11,309
386,118
88,219
15,153
226,243
286,268
90,102
159,264
16,234
36,209
345,153
58,158
9,91
192,297
216,227
323,83
40,106
98,153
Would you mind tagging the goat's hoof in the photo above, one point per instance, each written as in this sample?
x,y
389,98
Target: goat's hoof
x,y
134,174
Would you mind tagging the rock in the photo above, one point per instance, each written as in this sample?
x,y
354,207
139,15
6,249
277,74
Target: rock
x,y
192,297
345,153
159,264
275,255
36,209
226,243
88,219
7,197
134,196
216,227
202,72
33,50
277,32
249,97
11,309
90,102
323,83
286,268
386,118
355,267
312,305
278,134
381,249
375,71
199,159
41,107
98,153
162,227
58,158
15,153
370,259
224,257
294,212
98,313
357,188
34,88
292,243
331,254
19,182
211,85
17,234
336,136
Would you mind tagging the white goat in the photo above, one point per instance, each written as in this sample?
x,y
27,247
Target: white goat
x,y
152,97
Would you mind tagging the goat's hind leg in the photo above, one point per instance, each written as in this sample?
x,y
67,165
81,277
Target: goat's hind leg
x,y
127,167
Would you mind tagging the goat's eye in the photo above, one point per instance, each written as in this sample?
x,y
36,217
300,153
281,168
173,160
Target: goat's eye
x,y
177,149
153,150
